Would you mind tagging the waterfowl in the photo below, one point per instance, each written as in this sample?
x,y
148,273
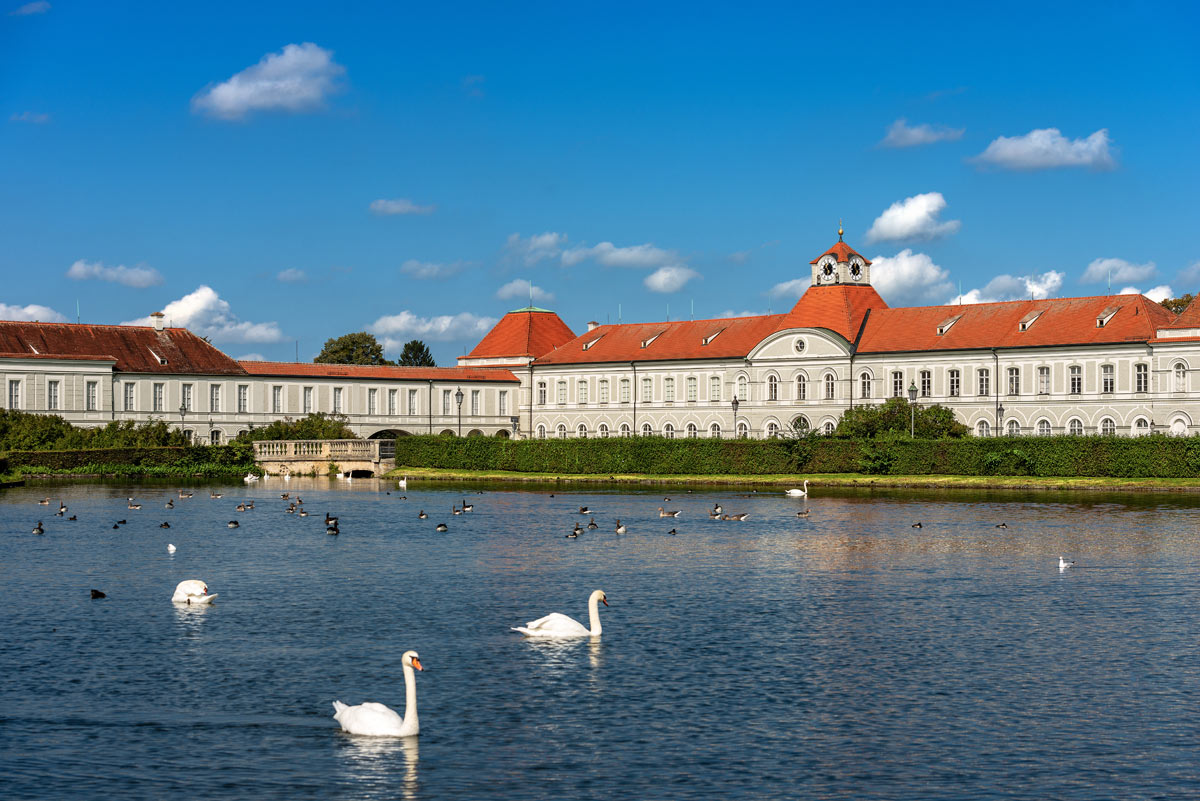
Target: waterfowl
x,y
592,525
170,548
59,513
62,507
917,524
740,516
285,495
299,499
192,591
672,532
798,493
456,510
249,504
377,720
571,535
212,495
620,528
115,525
1002,525
468,507
241,507
561,626
233,524
1063,564
39,530
714,515
402,483
133,505
330,521
164,524
96,594
333,530
249,478
422,515
803,513
170,504
577,530
291,510
120,522
303,513
583,510
44,502
72,517
441,527
186,495
664,513
717,509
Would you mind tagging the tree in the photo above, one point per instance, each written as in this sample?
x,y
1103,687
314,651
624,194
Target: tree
x,y
359,348
314,426
894,417
1177,305
415,354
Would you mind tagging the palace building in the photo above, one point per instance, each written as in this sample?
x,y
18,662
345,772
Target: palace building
x,y
1115,364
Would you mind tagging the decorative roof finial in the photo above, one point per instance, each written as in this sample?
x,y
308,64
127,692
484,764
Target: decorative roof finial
x,y
840,232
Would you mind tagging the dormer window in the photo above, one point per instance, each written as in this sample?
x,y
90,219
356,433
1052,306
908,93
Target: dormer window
x,y
35,350
158,358
711,336
587,345
1105,316
1029,320
946,324
646,342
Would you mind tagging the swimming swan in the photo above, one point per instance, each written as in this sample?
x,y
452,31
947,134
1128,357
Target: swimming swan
x,y
377,720
798,493
193,591
556,625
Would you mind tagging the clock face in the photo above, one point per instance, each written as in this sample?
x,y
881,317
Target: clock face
x,y
856,271
827,269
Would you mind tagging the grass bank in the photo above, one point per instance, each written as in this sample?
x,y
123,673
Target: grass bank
x,y
212,461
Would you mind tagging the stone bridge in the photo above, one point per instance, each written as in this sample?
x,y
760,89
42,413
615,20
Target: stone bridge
x,y
356,457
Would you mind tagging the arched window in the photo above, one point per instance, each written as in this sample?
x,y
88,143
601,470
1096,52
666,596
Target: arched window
x,y
801,387
214,437
1108,427
1140,426
1180,377
625,430
647,430
603,430
772,429
801,424
714,431
1043,427
829,428
562,431
830,386
581,392
692,431
741,388
743,430
669,431
982,429
772,388
864,385
1075,427
187,435
692,389
1013,428
581,431
541,432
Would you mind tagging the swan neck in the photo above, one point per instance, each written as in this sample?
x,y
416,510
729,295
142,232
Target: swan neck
x,y
410,698
594,615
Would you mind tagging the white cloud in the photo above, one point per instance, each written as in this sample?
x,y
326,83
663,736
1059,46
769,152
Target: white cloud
x,y
914,218
740,257
203,312
140,277
1123,272
743,313
1157,294
1047,148
794,288
31,313
671,278
610,255
901,134
535,248
292,275
399,206
36,7
520,288
909,277
1190,274
37,118
296,79
399,328
1011,287
251,357
428,269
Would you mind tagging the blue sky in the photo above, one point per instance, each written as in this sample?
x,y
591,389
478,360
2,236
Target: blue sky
x,y
269,173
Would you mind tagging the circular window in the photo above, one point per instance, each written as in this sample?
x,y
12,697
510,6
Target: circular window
x,y
800,346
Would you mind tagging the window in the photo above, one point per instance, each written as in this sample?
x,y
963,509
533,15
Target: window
x,y
414,406
475,402
445,402
130,395
830,387
1141,426
337,400
926,383
243,393
1107,379
743,430
801,387
1075,427
1076,376
1180,377
187,435
14,394
772,388
52,396
714,388
692,431
501,402
864,385
562,431
669,431
541,432
625,430
955,383
801,425
214,437
1014,381
372,400
741,388
982,429
1043,380
647,390
602,429
187,397
581,395
772,429
625,390
1108,427
214,397
582,431
1043,427
604,390
714,431
156,397
668,389
693,389
392,399
897,384
829,428
90,399
277,400
560,391
1014,428
985,382
541,393
1141,374
646,430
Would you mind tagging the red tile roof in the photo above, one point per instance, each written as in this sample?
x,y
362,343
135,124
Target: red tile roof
x,y
683,339
523,333
307,370
840,308
1188,318
135,349
1062,321
843,253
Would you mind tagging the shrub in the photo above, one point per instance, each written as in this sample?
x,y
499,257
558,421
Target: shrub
x,y
314,426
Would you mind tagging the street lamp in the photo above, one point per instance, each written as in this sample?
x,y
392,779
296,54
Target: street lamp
x,y
733,431
458,396
912,410
1000,419
182,412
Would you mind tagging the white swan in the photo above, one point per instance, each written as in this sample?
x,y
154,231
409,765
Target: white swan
x,y
171,549
556,625
798,493
377,720
402,483
249,478
193,591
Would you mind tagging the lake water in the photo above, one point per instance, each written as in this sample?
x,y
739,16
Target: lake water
x,y
846,655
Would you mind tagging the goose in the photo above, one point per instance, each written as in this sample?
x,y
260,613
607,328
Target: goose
x,y
164,524
249,504
592,525
1002,525
233,524
468,507
284,495
39,530
557,625
441,527
303,513
798,493
717,509
241,507
377,720
133,505
917,524
583,510
664,513
1063,564
212,495
170,504
170,548
402,483
59,513
192,591
714,514
44,502
62,507
802,514
333,530
572,535
330,521
186,495
456,510
96,595
620,528
421,515
577,530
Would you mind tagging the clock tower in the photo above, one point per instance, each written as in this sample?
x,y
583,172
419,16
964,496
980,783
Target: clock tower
x,y
841,264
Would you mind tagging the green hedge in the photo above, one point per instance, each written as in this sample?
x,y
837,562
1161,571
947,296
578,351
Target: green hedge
x,y
204,460
1126,457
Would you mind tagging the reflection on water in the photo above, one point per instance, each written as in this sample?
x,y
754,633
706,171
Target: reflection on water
x,y
369,763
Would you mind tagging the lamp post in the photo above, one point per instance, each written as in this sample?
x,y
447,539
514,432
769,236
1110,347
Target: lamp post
x,y
912,410
458,396
733,431
182,412
1000,419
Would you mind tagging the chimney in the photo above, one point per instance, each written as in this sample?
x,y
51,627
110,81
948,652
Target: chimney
x,y
592,324
158,320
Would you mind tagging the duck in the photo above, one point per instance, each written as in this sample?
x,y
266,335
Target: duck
x,y
249,504
291,510
583,510
302,513
572,535
672,532
803,513
233,524
798,493
441,527
577,530
716,510
592,525
664,513
376,720
241,507
72,517
1063,564
38,528
620,528
96,595
170,504
714,515
917,524
421,515
333,530
121,522
299,500
284,495
62,508
164,524
1002,525
133,505
560,626
59,513
171,548
192,591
